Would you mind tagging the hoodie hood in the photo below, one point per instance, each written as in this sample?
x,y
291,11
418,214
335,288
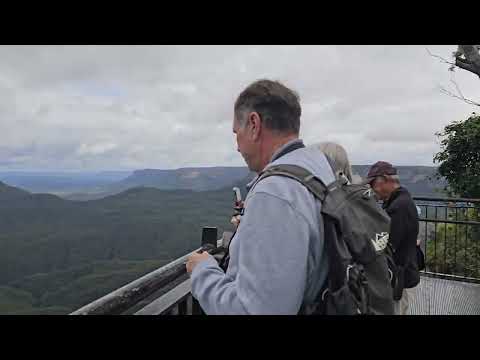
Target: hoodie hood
x,y
310,158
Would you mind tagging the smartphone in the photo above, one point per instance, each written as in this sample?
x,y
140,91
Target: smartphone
x,y
238,195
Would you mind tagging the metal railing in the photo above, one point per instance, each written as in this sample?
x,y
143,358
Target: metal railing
x,y
450,237
449,234
165,291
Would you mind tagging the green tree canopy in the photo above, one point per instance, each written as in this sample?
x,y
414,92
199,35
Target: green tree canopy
x,y
459,157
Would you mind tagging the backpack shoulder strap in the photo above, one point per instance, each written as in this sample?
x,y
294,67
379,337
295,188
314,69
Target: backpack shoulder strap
x,y
298,173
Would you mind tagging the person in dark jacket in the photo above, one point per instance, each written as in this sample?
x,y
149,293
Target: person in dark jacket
x,y
399,205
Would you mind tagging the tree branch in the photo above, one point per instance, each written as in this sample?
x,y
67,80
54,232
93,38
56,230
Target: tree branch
x,y
439,57
471,62
457,87
459,62
461,97
467,57
472,53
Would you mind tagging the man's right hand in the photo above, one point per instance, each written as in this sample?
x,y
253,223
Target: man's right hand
x,y
235,220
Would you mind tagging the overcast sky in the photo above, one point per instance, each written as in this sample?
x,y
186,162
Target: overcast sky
x,y
132,107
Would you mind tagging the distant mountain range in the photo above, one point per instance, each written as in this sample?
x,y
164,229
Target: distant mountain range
x,y
195,179
62,183
420,180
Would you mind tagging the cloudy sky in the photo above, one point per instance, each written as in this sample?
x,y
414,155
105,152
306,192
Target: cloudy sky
x,y
130,107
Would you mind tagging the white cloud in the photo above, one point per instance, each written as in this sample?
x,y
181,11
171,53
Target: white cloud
x,y
116,107
95,149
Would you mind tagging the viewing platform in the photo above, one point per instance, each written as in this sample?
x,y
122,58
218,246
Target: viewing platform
x,y
435,296
450,284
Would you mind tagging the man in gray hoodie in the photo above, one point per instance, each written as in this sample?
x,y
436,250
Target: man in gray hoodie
x,y
277,261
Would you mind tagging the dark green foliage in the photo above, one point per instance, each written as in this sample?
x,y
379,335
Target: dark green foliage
x,y
460,157
457,247
65,254
454,248
12,300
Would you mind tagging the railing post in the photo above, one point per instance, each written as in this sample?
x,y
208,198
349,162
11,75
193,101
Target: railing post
x,y
196,308
189,303
182,307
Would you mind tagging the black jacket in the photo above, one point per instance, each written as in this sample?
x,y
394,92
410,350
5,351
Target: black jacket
x,y
403,234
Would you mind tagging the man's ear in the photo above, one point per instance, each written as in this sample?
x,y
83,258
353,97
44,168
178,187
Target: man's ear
x,y
255,123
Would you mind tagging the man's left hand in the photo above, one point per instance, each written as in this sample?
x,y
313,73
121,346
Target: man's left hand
x,y
196,258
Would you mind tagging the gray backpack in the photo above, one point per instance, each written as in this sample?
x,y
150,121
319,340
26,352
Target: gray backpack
x,y
362,273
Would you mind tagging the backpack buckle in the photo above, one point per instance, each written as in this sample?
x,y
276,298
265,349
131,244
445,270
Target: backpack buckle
x,y
367,194
324,293
349,267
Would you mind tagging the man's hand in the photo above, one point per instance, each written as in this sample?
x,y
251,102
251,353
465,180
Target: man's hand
x,y
235,220
196,258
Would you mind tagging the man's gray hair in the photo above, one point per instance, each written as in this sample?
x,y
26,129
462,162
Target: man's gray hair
x,y
394,178
278,106
339,157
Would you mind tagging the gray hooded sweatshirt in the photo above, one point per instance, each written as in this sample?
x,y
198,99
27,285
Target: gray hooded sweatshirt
x,y
277,260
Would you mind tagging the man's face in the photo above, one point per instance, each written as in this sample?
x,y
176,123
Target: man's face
x,y
245,143
382,187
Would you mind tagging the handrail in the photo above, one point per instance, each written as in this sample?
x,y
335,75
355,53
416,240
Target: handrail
x,y
134,292
458,222
446,199
125,297
168,300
